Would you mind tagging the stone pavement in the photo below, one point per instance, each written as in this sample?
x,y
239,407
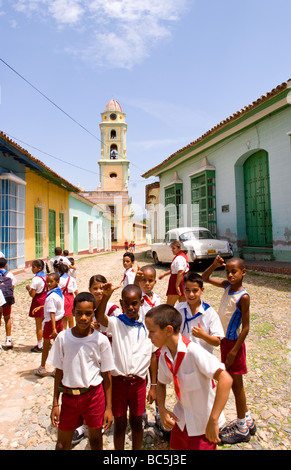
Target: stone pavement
x,y
25,399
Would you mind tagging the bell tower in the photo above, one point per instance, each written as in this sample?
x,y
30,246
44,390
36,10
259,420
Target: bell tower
x,y
113,164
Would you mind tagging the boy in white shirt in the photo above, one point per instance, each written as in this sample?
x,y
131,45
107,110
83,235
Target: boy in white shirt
x,y
129,274
195,419
133,355
59,257
145,278
83,360
200,322
53,318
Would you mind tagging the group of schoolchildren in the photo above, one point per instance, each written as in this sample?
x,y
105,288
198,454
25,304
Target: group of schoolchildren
x,y
110,360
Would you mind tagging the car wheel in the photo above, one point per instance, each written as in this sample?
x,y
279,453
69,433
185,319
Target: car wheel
x,y
156,259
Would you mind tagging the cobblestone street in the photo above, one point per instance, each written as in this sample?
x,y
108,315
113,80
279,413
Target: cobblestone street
x,y
25,400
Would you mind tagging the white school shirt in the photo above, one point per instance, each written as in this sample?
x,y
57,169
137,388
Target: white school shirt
x,y
208,319
12,277
53,304
81,359
131,355
179,263
72,285
148,304
195,378
129,277
37,284
2,299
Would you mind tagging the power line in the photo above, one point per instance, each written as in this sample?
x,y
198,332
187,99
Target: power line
x,y
48,99
60,109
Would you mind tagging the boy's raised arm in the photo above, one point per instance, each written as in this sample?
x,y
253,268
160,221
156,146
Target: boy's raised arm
x,y
217,263
108,289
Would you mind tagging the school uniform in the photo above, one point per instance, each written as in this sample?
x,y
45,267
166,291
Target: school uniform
x,y
230,316
179,263
132,351
83,395
128,277
194,390
54,303
68,285
208,319
38,283
149,302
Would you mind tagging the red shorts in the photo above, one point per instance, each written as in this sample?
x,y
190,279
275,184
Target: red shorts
x,y
172,286
88,407
47,329
6,310
130,395
239,367
181,441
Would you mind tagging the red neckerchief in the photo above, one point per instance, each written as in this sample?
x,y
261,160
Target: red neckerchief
x,y
148,301
179,359
132,271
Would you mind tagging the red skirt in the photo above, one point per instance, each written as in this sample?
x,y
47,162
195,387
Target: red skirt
x,y
68,304
37,301
172,286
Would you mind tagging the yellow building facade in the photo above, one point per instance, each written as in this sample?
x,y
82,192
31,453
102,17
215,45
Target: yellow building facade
x,y
46,221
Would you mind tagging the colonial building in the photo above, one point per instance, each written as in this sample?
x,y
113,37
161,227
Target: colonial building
x,y
40,210
234,180
112,191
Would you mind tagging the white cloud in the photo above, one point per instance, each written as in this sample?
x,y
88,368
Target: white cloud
x,y
121,32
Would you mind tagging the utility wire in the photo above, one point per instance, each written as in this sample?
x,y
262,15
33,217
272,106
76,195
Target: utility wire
x,y
59,108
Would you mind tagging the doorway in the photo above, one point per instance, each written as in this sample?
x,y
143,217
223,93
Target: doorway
x,y
258,215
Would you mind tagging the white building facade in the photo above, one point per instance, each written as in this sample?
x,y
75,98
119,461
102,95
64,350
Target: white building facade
x,y
234,180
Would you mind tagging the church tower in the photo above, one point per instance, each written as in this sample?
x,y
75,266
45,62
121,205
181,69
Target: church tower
x,y
113,164
112,192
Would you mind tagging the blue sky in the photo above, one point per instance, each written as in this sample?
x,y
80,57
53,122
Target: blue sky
x,y
177,68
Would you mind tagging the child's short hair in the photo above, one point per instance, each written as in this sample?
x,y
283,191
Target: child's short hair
x,y
97,278
56,276
193,277
66,252
148,267
129,255
131,288
85,297
3,262
58,251
38,263
165,315
72,261
239,261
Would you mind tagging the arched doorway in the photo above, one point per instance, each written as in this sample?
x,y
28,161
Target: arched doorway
x,y
257,200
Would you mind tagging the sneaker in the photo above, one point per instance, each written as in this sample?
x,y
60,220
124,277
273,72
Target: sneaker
x,y
252,428
36,349
79,434
8,344
41,371
232,435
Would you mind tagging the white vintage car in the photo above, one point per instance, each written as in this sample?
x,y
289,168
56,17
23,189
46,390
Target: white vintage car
x,y
198,241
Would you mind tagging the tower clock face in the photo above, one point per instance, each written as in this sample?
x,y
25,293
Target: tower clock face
x,y
113,116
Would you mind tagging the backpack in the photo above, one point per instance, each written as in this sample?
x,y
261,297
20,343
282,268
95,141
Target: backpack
x,y
7,288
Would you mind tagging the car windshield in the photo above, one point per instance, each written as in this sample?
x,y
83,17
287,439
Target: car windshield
x,y
196,235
